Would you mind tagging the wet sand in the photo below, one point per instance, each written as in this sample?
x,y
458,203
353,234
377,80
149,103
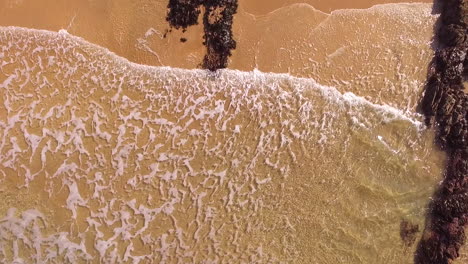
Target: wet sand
x,y
121,26
261,8
297,39
376,52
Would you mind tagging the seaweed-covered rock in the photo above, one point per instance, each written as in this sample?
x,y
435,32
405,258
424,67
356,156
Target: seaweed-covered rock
x,y
183,13
408,232
455,12
446,103
451,206
219,40
441,242
453,35
217,22
432,96
450,63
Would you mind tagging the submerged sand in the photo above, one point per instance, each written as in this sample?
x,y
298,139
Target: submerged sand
x,y
379,53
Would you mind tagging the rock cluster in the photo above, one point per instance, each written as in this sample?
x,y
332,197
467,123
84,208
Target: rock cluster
x,y
217,21
445,104
408,232
183,13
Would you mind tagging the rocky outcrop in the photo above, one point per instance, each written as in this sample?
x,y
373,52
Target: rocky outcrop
x,y
445,105
217,21
219,41
408,232
183,13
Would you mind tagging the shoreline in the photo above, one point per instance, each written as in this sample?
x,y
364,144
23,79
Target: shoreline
x,y
327,7
129,35
446,104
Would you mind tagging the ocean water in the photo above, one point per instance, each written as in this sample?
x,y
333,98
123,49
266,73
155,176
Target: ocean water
x,y
104,161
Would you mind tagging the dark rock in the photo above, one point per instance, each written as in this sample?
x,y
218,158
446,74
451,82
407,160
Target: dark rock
x,y
408,232
217,22
450,62
183,13
451,206
453,35
432,96
446,103
218,19
455,12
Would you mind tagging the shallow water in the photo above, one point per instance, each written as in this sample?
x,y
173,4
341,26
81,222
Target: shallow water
x,y
106,160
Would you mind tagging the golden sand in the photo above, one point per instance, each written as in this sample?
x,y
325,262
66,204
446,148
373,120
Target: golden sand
x,y
121,161
379,53
297,39
261,8
121,25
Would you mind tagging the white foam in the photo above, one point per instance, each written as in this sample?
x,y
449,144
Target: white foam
x,y
188,137
225,74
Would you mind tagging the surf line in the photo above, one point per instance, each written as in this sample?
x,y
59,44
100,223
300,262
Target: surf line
x,y
445,105
217,22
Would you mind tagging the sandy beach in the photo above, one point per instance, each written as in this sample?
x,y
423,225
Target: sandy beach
x,y
262,8
319,44
123,27
237,165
